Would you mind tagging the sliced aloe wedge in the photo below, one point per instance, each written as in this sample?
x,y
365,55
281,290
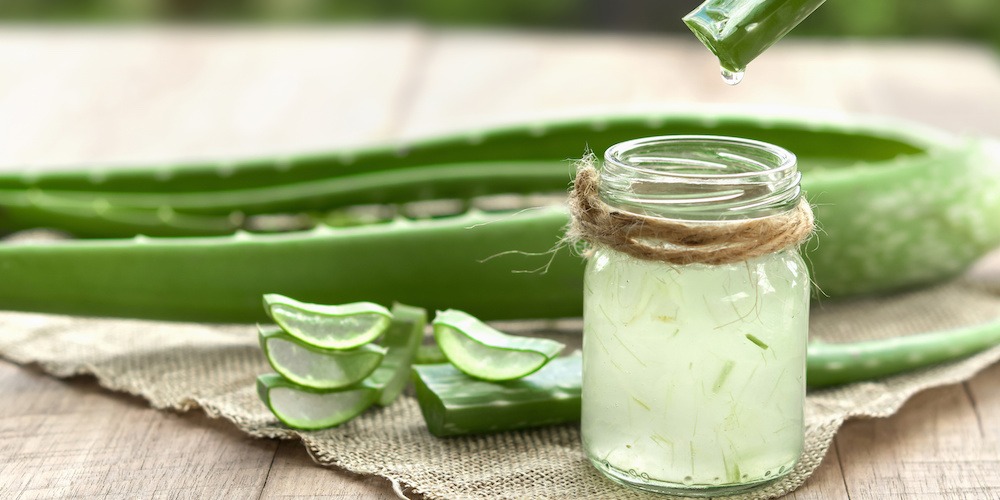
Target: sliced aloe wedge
x,y
454,403
343,326
318,368
305,408
403,338
482,352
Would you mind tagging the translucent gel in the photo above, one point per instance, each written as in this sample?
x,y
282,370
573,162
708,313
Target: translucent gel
x,y
694,376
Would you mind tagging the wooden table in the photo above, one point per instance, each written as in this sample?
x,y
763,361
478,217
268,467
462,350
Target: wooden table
x,y
99,96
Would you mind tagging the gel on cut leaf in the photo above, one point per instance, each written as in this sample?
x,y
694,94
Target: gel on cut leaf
x,y
482,352
318,368
330,327
305,408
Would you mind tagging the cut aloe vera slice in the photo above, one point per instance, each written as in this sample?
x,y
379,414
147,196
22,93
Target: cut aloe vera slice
x,y
343,326
402,340
485,353
318,368
454,403
305,408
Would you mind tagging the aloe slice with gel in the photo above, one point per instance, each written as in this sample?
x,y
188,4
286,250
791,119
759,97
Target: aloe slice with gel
x,y
343,326
482,352
318,368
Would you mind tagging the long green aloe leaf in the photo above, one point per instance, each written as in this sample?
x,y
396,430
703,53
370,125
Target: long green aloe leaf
x,y
454,403
820,137
318,368
223,278
835,364
481,351
875,234
458,180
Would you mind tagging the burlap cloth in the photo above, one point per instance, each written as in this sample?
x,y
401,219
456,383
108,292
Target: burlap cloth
x,y
184,366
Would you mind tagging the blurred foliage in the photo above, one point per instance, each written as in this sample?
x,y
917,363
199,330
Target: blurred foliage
x,y
965,19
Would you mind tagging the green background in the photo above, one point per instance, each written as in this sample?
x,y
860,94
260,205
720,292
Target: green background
x,y
977,20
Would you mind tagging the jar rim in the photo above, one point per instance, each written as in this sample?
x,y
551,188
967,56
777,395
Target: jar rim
x,y
700,177
786,159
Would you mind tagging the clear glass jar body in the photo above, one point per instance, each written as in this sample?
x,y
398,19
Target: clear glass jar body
x,y
694,375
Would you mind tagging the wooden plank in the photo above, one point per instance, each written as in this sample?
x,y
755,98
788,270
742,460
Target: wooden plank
x,y
295,475
71,439
984,393
143,95
930,449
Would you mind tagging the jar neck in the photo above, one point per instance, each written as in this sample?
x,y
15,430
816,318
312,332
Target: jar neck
x,y
700,178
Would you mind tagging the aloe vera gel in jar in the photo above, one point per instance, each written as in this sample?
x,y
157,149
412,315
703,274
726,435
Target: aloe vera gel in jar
x,y
696,309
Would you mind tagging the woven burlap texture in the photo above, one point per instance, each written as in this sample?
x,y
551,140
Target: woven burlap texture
x,y
184,366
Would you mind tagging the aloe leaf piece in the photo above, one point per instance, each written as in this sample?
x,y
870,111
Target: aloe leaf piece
x,y
402,339
317,368
737,31
454,403
306,408
482,352
343,326
835,364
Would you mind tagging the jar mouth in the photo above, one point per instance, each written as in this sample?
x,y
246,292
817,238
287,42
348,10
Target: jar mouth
x,y
700,177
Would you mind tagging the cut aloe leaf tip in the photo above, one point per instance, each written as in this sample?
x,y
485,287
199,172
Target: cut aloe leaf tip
x,y
482,352
330,327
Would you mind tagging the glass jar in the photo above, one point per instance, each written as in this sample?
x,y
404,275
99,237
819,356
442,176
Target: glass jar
x,y
694,374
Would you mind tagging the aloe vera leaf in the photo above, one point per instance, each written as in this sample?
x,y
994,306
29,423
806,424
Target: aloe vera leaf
x,y
448,166
223,278
553,140
317,368
737,31
404,335
480,351
875,236
451,181
95,217
454,403
343,326
909,222
305,408
835,364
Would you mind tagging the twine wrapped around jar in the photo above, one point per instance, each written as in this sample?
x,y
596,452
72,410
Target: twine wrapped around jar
x,y
674,241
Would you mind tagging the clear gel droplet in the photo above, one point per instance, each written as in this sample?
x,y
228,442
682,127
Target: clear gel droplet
x,y
732,77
